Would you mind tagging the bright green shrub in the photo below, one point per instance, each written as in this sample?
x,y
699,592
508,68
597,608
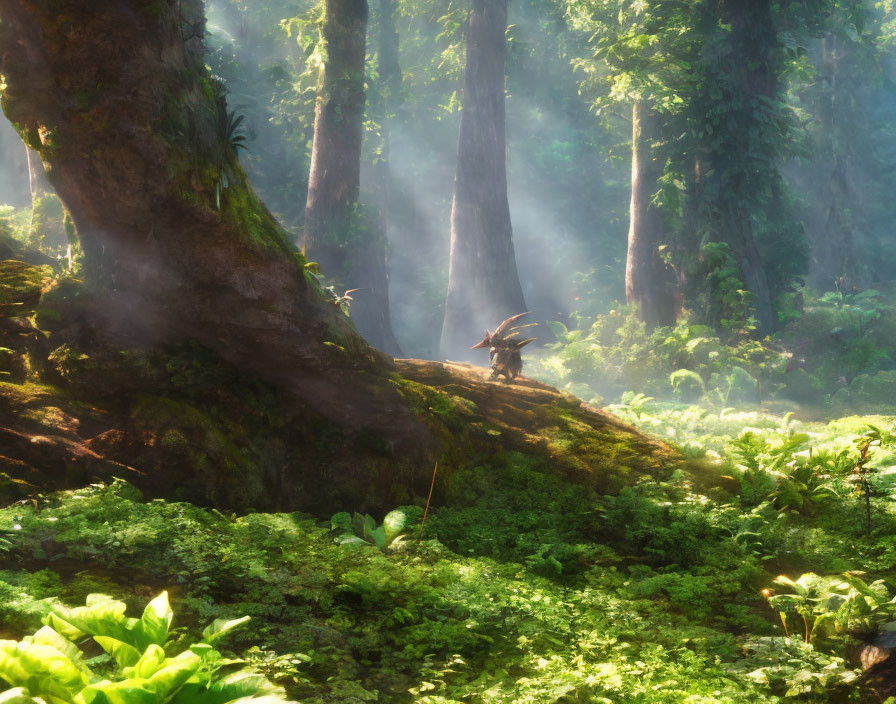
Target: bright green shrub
x,y
49,665
616,353
362,530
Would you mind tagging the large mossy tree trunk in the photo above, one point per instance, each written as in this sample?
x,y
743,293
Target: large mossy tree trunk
x,y
116,97
649,283
349,245
483,282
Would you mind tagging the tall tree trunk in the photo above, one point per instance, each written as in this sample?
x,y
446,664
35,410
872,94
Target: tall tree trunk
x,y
116,97
833,233
753,40
649,283
347,243
483,282
386,100
389,91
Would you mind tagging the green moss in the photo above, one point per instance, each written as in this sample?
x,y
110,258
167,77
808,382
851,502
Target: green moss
x,y
20,286
48,225
13,488
242,207
25,394
201,443
454,411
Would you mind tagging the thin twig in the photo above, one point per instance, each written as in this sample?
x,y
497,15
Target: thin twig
x,y
428,498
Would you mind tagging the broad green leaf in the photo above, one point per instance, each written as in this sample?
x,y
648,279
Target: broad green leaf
x,y
358,524
125,655
239,686
63,627
342,522
156,619
41,669
157,689
559,329
221,627
394,523
95,599
378,537
369,527
18,695
47,636
174,674
351,540
131,691
103,616
148,664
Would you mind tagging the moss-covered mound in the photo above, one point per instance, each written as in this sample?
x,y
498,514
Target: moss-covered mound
x,y
76,406
477,419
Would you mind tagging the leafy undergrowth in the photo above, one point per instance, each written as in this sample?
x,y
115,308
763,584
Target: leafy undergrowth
x,y
528,589
832,354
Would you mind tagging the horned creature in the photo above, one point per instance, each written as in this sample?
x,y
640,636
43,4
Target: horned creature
x,y
504,348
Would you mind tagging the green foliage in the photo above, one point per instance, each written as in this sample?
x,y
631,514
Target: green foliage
x,y
835,354
793,481
50,226
50,666
231,131
687,384
527,586
721,296
629,597
615,353
362,530
794,669
21,285
824,608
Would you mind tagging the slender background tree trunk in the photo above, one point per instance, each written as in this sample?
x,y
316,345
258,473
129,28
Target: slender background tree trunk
x,y
347,243
389,91
483,282
833,225
649,283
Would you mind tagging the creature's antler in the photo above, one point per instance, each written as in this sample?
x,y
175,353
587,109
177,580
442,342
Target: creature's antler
x,y
503,326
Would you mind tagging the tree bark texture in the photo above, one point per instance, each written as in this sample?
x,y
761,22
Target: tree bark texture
x,y
348,244
752,39
649,283
115,96
483,282
389,89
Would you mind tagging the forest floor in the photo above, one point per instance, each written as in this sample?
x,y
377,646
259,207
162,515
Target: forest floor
x,y
524,587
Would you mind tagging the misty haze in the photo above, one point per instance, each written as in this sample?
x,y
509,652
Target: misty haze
x,y
427,352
